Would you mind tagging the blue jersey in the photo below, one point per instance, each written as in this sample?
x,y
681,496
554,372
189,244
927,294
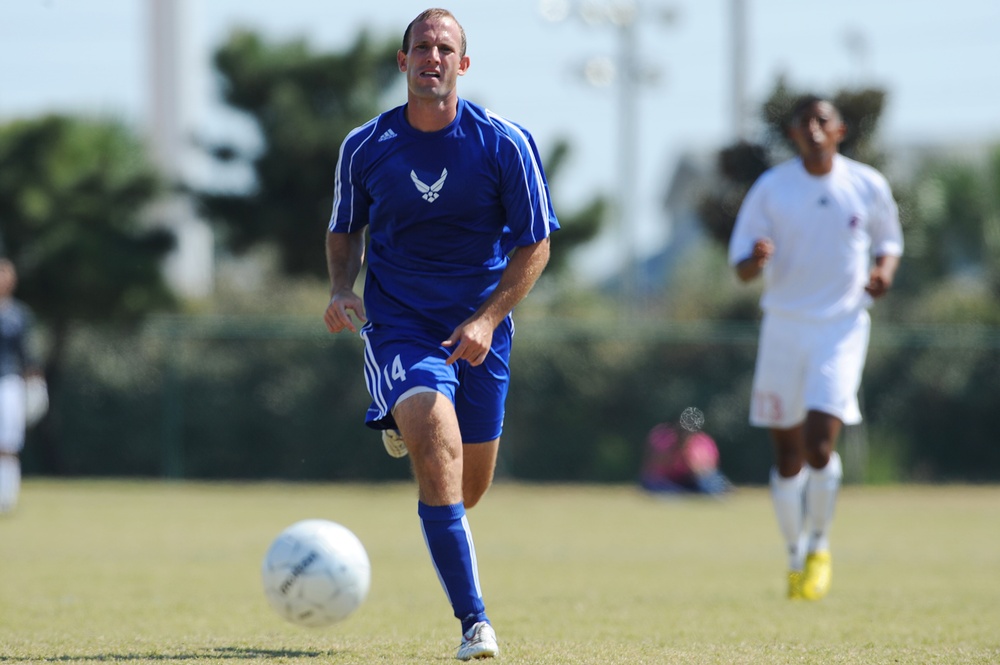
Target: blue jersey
x,y
443,209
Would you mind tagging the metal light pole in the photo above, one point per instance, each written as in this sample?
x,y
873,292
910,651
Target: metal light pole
x,y
165,92
628,74
738,17
190,267
628,147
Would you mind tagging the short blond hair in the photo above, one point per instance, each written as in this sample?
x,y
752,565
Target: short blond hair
x,y
429,14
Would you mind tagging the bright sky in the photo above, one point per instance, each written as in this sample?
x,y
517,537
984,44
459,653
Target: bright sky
x,y
937,59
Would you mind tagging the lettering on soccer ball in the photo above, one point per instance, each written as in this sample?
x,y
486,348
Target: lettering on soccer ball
x,y
297,571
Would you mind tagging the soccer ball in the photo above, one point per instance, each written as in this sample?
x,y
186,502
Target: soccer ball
x,y
316,573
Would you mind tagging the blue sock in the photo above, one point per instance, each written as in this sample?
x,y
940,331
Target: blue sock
x,y
449,540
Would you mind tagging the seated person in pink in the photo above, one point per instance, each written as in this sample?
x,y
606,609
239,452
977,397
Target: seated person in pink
x,y
678,460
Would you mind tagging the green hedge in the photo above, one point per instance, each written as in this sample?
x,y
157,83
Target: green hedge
x,y
236,399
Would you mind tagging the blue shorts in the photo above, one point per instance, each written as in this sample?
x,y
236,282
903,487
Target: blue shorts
x,y
398,362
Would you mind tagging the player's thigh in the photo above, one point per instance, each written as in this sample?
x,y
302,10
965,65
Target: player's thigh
x,y
481,458
399,364
12,414
777,397
429,425
836,366
480,461
482,394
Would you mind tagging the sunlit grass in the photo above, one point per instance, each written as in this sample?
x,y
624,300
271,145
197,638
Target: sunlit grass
x,y
157,572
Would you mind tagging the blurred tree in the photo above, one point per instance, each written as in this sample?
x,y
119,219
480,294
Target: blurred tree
x,y
940,398
952,214
740,164
304,103
861,110
577,226
72,197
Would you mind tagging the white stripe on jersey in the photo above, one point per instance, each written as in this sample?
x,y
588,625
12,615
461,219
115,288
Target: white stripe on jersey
x,y
543,195
338,183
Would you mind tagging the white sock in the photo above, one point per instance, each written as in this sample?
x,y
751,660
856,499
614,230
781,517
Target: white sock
x,y
821,499
10,482
788,497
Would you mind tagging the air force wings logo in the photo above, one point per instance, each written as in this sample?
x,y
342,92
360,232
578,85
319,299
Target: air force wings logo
x,y
430,192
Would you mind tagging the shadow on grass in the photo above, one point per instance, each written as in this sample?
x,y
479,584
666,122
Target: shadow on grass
x,y
220,653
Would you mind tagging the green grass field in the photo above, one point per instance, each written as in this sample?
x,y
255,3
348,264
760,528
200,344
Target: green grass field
x,y
158,573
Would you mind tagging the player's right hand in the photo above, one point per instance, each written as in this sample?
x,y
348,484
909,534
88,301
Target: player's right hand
x,y
337,317
763,248
470,341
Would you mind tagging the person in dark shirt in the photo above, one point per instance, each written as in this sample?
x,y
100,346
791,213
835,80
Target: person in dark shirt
x,y
17,364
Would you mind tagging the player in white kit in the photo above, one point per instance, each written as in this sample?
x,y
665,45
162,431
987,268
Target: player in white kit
x,y
823,230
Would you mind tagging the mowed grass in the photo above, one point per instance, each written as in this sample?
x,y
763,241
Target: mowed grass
x,y
152,572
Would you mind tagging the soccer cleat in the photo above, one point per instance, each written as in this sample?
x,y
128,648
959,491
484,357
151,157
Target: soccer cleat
x,y
795,585
816,580
393,442
480,641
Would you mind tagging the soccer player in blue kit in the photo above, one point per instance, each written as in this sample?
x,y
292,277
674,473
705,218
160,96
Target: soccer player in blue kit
x,y
458,216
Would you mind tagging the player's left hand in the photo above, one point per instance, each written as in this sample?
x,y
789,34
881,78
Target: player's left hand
x,y
472,341
878,283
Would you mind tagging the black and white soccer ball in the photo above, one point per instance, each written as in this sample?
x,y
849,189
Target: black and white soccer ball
x,y
316,573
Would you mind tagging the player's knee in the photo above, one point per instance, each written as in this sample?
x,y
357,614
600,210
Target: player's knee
x,y
473,489
819,456
471,498
789,460
818,451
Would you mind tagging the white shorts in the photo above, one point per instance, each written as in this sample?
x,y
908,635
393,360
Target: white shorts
x,y
808,366
12,413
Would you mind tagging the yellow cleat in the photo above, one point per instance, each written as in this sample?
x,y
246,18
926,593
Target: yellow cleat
x,y
795,585
816,579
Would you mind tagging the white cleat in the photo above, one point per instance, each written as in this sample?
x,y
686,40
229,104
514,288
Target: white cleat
x,y
393,442
480,641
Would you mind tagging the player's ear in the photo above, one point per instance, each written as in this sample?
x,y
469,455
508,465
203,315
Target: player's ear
x,y
842,131
463,65
401,60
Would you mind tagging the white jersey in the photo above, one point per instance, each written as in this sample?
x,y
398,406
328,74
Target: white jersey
x,y
825,231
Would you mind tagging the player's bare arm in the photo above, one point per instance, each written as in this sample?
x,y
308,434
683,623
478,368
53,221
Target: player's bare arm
x,y
881,276
473,338
345,254
750,267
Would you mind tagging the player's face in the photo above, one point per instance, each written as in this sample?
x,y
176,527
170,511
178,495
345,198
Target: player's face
x,y
818,131
434,61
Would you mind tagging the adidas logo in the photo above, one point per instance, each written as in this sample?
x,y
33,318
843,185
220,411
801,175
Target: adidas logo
x,y
386,135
